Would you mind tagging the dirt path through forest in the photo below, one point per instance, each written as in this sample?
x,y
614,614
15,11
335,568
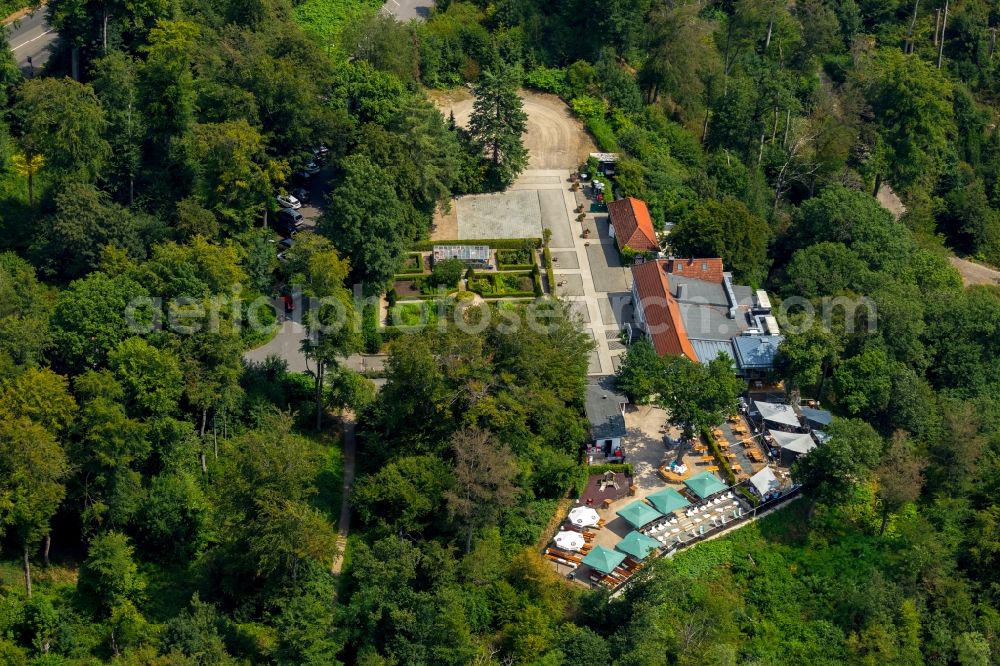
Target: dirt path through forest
x,y
344,524
974,273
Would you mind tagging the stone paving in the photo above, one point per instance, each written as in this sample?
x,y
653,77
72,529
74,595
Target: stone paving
x,y
511,214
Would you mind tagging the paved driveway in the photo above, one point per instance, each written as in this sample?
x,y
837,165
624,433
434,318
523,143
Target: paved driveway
x,y
404,10
30,38
606,268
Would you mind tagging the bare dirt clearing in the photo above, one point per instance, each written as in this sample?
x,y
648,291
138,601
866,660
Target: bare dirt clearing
x,y
973,273
555,139
890,201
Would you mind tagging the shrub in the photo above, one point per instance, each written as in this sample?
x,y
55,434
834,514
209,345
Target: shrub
x,y
587,107
447,273
603,135
547,79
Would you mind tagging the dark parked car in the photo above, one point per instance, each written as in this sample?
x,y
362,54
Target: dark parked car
x,y
301,193
288,222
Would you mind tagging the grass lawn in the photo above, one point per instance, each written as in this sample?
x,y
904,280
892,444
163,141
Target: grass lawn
x,y
414,314
12,575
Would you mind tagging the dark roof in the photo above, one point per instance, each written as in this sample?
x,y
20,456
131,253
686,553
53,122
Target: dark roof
x,y
820,417
709,350
603,406
756,351
633,226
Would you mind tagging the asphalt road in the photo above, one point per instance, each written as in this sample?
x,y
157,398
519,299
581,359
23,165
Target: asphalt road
x,y
31,37
404,10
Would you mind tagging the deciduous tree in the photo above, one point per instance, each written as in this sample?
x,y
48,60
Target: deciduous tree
x,y
484,475
33,468
63,121
900,477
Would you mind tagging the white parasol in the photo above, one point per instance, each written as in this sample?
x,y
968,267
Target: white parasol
x,y
583,516
569,540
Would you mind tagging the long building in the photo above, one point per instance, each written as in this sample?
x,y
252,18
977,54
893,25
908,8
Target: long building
x,y
691,307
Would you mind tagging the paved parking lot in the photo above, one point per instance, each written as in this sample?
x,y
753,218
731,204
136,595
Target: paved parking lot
x,y
616,308
607,270
510,214
565,259
579,309
569,285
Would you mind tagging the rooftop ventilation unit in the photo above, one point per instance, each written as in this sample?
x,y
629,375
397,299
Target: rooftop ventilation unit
x,y
727,284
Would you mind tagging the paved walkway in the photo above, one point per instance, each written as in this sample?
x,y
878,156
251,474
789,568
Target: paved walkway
x,y
344,523
583,277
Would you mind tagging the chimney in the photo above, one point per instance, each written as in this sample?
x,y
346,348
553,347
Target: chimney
x,y
681,291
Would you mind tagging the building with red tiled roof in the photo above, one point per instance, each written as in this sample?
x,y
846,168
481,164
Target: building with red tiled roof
x,y
632,226
690,307
708,270
657,311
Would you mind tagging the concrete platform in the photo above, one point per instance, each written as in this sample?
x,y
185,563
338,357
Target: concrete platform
x,y
565,259
511,214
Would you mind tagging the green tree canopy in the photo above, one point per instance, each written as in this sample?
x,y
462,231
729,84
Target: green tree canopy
x,y
497,125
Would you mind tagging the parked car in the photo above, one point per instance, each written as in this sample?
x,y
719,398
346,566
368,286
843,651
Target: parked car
x,y
311,168
302,194
289,201
301,178
288,222
283,246
320,152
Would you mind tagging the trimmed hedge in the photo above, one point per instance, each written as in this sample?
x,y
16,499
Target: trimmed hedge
x,y
416,270
509,294
495,243
748,496
370,333
516,267
549,272
536,278
713,446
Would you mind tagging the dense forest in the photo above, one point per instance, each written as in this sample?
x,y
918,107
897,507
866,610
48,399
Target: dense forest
x,y
162,501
